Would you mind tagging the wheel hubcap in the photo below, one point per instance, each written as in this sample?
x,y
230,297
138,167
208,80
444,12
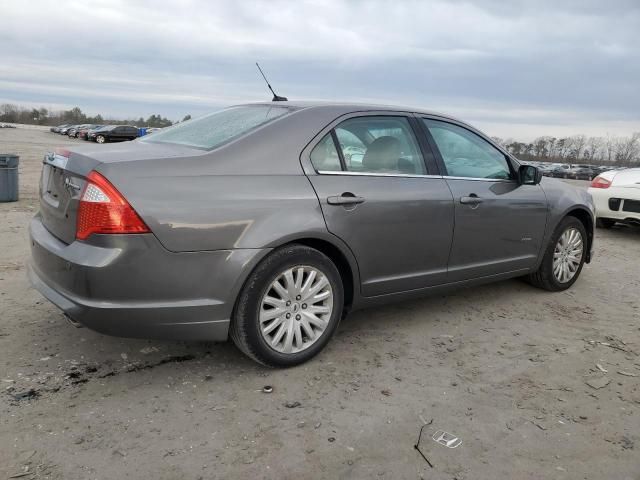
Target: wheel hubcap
x,y
567,255
296,309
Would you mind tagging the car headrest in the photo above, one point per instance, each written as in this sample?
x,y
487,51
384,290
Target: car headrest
x,y
382,154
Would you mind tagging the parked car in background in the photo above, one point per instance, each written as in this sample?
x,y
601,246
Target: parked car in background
x,y
83,132
581,172
561,171
114,133
616,194
77,131
59,127
87,136
249,223
65,130
73,131
546,168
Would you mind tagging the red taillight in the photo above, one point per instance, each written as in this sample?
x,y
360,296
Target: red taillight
x,y
104,210
600,182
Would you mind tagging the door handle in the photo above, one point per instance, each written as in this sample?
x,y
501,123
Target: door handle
x,y
471,200
346,198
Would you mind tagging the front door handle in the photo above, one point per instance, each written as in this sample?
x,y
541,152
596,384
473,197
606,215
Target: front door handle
x,y
471,200
346,198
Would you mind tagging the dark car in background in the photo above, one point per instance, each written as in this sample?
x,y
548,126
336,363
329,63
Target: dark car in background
x,y
253,223
561,171
114,133
582,172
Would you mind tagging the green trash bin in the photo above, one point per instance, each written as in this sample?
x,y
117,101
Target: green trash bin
x,y
9,177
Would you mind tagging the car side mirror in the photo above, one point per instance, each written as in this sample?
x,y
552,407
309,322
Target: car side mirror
x,y
529,175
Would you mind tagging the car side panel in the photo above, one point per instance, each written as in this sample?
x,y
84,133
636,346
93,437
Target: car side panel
x,y
401,234
563,199
503,233
222,212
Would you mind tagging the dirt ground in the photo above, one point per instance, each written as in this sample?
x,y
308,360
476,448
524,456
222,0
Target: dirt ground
x,y
504,367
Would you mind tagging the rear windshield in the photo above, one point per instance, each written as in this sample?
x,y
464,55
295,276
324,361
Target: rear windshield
x,y
217,128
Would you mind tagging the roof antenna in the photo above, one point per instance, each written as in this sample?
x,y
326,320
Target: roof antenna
x,y
275,98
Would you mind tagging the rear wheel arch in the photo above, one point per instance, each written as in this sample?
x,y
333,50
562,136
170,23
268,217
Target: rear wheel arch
x,y
346,266
341,262
245,329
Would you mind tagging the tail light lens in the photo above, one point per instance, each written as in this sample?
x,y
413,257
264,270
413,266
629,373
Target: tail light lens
x,y
600,182
104,210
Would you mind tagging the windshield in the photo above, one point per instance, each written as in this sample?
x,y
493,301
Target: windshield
x,y
217,128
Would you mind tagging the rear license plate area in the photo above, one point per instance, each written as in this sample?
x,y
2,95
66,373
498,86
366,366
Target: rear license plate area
x,y
52,185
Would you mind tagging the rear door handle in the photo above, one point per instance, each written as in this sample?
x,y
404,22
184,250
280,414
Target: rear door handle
x,y
346,198
471,200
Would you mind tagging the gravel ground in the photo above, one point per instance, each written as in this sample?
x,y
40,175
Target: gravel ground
x,y
535,384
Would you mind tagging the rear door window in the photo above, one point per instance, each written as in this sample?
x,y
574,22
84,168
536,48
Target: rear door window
x,y
380,145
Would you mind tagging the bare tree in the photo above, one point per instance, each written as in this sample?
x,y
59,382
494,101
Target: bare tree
x,y
610,148
593,150
628,149
540,147
576,146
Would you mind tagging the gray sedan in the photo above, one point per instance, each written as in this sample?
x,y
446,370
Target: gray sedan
x,y
268,223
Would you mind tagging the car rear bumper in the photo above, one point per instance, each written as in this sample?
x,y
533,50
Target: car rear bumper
x,y
610,203
131,286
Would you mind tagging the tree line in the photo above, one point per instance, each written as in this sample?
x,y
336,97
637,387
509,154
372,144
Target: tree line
x,y
623,151
41,116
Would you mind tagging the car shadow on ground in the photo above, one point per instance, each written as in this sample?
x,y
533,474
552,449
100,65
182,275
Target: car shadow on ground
x,y
622,229
101,356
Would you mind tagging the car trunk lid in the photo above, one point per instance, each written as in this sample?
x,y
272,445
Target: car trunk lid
x,y
64,175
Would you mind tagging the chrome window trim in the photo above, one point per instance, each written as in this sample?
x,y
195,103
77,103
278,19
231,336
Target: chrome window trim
x,y
371,174
408,175
507,180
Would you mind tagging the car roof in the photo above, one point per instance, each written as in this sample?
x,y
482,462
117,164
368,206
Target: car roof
x,y
352,107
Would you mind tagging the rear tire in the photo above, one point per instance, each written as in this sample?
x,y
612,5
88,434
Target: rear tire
x,y
605,223
258,339
545,277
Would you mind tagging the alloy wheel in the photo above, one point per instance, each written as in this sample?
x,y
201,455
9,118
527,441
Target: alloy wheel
x,y
567,255
296,308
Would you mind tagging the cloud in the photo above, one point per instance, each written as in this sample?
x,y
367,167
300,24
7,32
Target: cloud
x,y
517,67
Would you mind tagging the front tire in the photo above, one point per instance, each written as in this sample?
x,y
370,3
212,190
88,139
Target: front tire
x,y
564,257
289,307
101,139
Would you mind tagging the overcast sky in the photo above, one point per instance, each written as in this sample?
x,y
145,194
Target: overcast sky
x,y
514,69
